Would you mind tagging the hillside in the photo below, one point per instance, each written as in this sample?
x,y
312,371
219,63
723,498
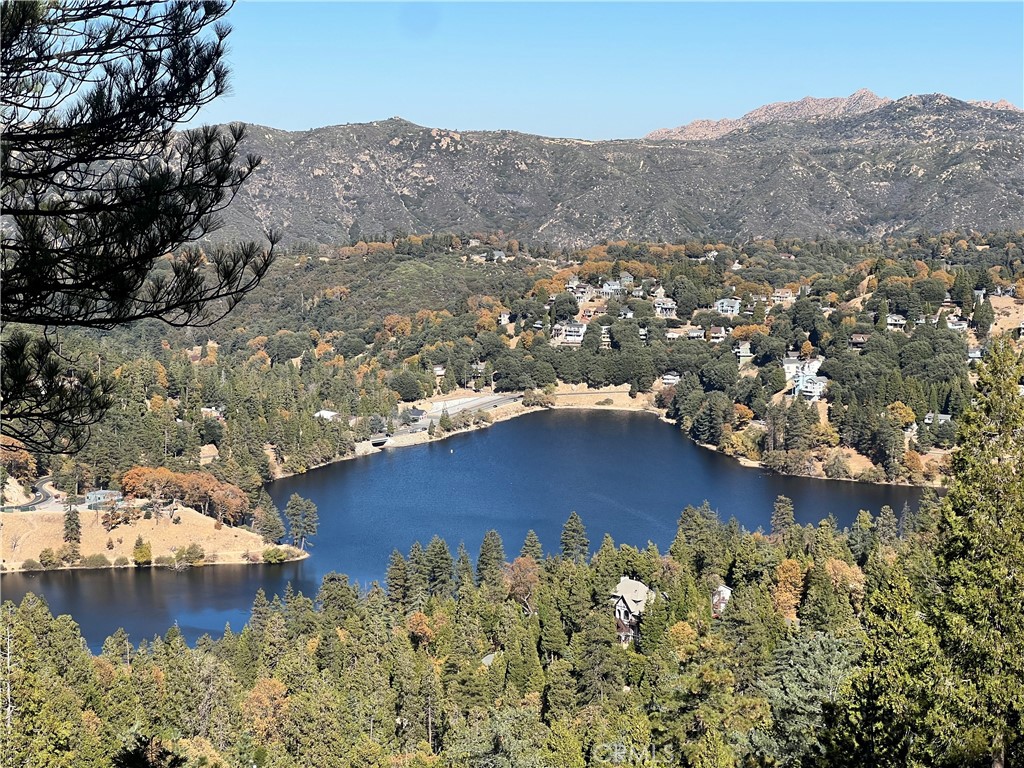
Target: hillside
x,y
919,163
807,108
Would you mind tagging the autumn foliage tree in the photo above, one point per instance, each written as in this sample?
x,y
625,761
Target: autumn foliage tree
x,y
199,490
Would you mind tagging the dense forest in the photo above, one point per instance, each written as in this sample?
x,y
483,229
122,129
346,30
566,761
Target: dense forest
x,y
895,643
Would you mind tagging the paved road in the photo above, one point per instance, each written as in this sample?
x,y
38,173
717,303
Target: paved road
x,y
41,494
481,403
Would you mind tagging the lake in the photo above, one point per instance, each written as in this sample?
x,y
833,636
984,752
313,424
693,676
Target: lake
x,y
627,474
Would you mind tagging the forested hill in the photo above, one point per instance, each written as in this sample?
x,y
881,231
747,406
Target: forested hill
x,y
922,162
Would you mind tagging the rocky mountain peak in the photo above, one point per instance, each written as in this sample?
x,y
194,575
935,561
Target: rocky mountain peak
x,y
807,108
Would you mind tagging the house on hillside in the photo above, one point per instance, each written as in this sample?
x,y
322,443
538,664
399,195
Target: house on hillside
x,y
670,378
717,334
895,322
102,497
858,340
809,387
629,599
612,289
326,415
794,367
665,307
720,599
782,296
626,279
208,454
568,333
743,353
695,334
730,306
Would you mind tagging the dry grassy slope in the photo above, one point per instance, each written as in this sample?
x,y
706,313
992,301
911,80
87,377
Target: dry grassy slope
x,y
24,534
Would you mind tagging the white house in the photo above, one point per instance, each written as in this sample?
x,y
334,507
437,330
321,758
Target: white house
x,y
730,306
810,387
794,367
326,415
568,334
670,379
611,289
743,353
895,322
696,334
782,295
717,334
720,599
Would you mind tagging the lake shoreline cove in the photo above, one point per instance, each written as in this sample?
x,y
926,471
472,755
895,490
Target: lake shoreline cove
x,y
621,401
625,474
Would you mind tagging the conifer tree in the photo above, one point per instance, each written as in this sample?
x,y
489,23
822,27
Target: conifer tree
x,y
397,580
463,569
979,616
303,519
419,578
532,547
440,581
575,545
883,719
267,520
782,515
862,537
99,191
72,524
887,527
490,561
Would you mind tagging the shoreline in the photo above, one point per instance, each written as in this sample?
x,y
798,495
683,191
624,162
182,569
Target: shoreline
x,y
24,535
642,403
572,398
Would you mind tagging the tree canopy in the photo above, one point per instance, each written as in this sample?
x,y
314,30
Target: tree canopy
x,y
100,193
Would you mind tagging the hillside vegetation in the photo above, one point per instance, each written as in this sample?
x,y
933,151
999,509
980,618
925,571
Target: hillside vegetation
x,y
922,163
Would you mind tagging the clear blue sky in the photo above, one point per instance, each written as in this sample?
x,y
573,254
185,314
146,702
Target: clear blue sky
x,y
602,70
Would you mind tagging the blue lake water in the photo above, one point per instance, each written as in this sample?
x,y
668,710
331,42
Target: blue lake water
x,y
627,474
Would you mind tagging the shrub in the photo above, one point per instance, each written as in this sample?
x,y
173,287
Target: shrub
x,y
95,561
274,555
122,562
31,565
164,560
837,467
69,554
142,554
189,555
48,559
873,475
532,397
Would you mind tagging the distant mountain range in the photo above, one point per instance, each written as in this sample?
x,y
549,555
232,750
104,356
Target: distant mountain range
x,y
808,108
855,167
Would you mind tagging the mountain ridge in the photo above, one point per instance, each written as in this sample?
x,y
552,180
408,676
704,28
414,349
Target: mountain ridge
x,y
920,162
